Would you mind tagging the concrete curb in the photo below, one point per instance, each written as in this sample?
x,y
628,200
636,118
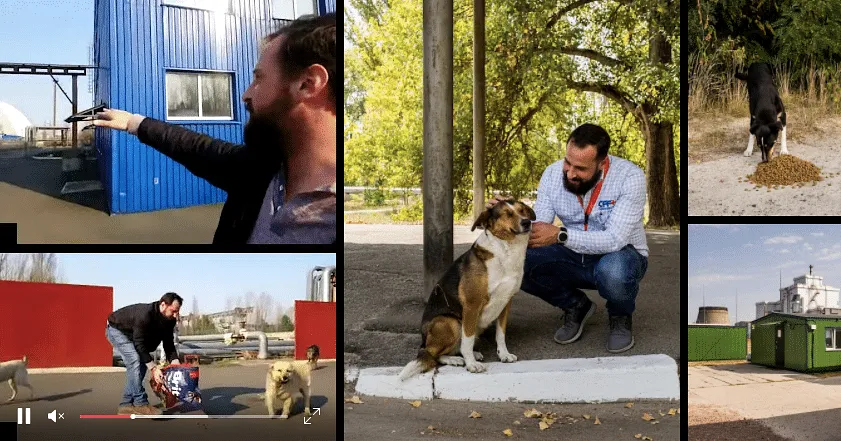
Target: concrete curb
x,y
577,380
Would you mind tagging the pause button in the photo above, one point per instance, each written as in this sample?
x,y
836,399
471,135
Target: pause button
x,y
20,415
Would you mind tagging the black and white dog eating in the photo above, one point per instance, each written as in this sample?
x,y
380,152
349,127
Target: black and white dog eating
x,y
767,114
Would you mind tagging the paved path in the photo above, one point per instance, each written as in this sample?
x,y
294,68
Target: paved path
x,y
794,405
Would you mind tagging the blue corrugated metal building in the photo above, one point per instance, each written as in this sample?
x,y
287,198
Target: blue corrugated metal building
x,y
186,62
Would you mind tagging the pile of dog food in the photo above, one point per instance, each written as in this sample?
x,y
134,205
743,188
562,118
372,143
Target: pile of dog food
x,y
785,170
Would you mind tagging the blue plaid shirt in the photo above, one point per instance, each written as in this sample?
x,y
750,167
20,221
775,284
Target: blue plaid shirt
x,y
616,219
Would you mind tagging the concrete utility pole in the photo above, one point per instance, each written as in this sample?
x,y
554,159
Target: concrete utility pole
x,y
478,107
437,140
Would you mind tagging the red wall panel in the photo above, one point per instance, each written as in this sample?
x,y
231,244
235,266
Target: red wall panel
x,y
315,324
55,325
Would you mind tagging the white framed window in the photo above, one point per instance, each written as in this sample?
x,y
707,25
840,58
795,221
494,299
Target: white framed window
x,y
833,339
199,95
292,9
209,5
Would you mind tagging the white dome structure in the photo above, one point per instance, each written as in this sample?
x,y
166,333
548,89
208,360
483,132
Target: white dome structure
x,y
12,122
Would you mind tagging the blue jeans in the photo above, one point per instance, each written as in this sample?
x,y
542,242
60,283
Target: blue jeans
x,y
134,392
555,273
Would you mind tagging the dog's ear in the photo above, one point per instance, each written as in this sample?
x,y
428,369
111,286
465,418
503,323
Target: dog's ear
x,y
777,126
753,126
484,220
529,210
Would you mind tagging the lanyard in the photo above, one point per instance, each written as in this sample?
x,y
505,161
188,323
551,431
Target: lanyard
x,y
595,195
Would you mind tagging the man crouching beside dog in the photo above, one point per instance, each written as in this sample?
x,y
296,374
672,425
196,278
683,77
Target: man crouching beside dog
x,y
600,201
135,331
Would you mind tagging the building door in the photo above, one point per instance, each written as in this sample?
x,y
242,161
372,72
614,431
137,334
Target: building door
x,y
780,345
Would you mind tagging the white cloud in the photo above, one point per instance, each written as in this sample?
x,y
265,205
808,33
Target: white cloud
x,y
807,246
817,234
783,240
715,278
791,264
833,256
784,251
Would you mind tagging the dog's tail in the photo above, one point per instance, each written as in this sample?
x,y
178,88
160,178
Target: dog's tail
x,y
425,362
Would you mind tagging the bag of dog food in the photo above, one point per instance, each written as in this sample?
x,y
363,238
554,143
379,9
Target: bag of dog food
x,y
180,387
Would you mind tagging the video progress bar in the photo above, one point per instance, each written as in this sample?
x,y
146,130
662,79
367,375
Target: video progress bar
x,y
264,417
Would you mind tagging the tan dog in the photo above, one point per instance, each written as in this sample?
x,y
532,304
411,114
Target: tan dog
x,y
284,380
15,372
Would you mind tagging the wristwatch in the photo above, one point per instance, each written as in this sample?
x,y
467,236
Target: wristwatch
x,y
563,236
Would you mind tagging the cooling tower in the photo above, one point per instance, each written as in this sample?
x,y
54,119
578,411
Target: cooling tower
x,y
713,315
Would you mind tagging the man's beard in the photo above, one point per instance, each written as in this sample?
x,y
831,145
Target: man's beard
x,y
264,132
581,187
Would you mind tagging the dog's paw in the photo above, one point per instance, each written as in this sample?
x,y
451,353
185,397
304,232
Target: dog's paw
x,y
747,152
478,356
307,412
476,367
284,417
507,357
451,360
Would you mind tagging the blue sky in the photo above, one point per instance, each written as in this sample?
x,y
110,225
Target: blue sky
x,y
44,31
140,278
726,260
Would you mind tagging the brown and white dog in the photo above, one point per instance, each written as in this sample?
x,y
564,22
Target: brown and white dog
x,y
476,290
14,372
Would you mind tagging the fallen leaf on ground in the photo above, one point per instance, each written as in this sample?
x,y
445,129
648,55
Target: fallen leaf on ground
x,y
542,425
415,403
586,417
661,413
533,413
597,421
672,411
638,436
655,422
647,417
508,432
629,405
430,428
547,420
475,414
517,422
355,399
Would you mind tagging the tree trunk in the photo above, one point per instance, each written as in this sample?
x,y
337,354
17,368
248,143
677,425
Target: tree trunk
x,y
661,176
663,191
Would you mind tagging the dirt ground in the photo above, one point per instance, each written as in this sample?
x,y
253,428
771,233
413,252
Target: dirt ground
x,y
716,164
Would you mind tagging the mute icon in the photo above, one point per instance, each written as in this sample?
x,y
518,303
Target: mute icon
x,y
51,416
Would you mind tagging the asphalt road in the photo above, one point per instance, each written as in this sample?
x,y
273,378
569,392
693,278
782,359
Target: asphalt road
x,y
394,419
384,302
228,390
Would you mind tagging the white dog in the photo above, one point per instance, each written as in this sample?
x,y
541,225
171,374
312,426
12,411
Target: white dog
x,y
15,372
283,382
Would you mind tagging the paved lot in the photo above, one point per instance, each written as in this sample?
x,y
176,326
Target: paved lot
x,y
30,195
794,405
384,303
395,419
228,390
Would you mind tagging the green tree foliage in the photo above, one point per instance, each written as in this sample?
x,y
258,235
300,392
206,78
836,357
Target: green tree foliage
x,y
286,324
550,66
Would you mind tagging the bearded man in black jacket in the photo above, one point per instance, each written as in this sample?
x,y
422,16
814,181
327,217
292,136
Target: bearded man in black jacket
x,y
135,331
281,184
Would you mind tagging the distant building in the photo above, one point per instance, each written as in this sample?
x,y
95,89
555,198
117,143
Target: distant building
x,y
226,321
807,295
13,123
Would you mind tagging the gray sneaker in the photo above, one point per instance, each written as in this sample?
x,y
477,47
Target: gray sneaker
x,y
574,321
620,339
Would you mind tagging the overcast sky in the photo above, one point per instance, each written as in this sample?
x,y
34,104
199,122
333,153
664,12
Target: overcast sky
x,y
747,260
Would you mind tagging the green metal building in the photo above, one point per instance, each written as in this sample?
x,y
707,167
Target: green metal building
x,y
800,342
716,342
